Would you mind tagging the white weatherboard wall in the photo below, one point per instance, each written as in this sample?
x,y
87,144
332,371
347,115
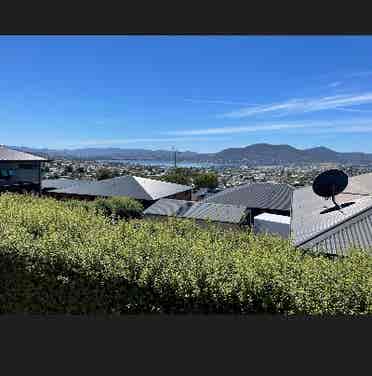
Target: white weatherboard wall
x,y
272,224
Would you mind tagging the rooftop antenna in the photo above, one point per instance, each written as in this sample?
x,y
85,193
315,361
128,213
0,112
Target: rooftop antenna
x,y
329,184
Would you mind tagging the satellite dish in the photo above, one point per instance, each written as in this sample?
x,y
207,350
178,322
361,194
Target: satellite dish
x,y
330,183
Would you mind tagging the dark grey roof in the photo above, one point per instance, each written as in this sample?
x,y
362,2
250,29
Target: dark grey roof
x,y
216,212
271,196
334,231
58,183
7,154
166,207
131,186
198,210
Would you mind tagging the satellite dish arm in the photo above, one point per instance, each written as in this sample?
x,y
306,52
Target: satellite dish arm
x,y
333,198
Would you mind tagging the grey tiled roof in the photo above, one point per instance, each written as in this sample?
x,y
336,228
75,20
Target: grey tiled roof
x,y
131,186
333,231
198,210
7,154
270,196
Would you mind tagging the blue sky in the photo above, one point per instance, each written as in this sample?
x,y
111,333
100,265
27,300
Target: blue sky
x,y
197,93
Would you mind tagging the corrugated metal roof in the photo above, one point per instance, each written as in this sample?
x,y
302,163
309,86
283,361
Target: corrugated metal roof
x,y
353,233
198,210
130,186
333,231
216,212
7,154
271,196
361,184
166,207
158,189
58,183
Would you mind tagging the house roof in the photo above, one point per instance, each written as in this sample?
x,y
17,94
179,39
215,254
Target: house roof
x,y
354,232
223,213
333,231
270,196
58,183
11,155
166,207
131,186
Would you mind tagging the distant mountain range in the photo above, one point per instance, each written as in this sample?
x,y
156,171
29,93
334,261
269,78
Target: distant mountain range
x,y
256,154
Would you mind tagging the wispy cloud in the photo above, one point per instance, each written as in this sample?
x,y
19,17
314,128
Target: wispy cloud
x,y
304,105
349,126
242,129
343,129
354,110
127,141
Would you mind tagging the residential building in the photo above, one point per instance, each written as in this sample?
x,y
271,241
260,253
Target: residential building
x,y
147,191
223,215
317,225
19,171
260,198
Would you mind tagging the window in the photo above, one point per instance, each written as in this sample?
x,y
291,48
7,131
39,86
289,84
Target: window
x,y
6,173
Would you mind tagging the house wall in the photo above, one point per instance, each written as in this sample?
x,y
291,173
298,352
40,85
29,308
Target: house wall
x,y
181,196
255,212
25,172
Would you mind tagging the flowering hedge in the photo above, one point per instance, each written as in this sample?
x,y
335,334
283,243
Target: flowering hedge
x,y
60,259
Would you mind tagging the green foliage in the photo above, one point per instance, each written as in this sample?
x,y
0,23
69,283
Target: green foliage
x,y
119,207
206,180
72,203
179,176
104,173
56,258
187,176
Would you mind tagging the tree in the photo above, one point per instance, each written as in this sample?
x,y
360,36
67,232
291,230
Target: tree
x,y
103,173
179,176
206,180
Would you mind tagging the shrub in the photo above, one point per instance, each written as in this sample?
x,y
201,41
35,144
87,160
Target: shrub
x,y
59,259
206,180
179,176
72,203
104,173
119,207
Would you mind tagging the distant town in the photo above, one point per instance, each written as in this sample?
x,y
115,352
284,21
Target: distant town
x,y
228,176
